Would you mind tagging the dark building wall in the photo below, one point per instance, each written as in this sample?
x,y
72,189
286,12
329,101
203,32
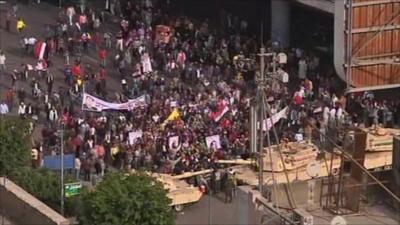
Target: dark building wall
x,y
254,11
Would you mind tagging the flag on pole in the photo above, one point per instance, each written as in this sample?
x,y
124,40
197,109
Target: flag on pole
x,y
40,48
221,110
173,116
275,118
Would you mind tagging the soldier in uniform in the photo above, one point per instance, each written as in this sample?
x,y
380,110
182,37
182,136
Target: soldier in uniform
x,y
229,186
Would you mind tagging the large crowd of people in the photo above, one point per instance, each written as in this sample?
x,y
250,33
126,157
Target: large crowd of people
x,y
198,78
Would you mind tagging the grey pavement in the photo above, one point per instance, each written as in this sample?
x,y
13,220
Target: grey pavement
x,y
227,214
199,213
5,221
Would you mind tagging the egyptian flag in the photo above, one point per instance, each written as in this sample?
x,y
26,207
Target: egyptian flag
x,y
220,112
41,51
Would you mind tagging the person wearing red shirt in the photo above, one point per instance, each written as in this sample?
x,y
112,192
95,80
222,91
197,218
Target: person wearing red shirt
x,y
102,77
103,56
10,98
77,71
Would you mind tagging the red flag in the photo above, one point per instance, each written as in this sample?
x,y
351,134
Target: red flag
x,y
221,110
38,47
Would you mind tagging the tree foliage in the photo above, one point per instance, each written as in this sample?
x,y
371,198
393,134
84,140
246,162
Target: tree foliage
x,y
14,144
44,184
127,200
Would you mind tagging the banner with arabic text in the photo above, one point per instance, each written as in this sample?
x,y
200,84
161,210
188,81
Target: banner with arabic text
x,y
91,103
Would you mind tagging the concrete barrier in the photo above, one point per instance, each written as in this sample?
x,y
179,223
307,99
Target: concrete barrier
x,y
23,208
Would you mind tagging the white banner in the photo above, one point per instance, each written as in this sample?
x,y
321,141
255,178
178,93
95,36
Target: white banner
x,y
134,135
173,142
213,142
275,118
91,103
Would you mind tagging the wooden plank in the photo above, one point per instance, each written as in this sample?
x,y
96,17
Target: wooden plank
x,y
390,54
372,88
371,62
376,2
374,29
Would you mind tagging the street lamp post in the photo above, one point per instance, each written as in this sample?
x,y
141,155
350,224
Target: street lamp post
x,y
62,169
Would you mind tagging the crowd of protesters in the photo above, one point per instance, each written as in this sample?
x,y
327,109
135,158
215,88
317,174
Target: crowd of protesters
x,y
192,73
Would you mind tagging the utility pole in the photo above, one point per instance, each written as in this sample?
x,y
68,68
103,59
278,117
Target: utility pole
x,y
261,119
262,109
62,169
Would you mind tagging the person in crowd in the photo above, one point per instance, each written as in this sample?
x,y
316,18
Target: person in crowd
x,y
20,25
198,82
2,62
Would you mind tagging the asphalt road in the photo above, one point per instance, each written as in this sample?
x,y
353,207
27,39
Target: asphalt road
x,y
37,17
199,213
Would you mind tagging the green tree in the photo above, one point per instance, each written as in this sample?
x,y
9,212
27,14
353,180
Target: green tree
x,y
45,185
42,183
127,200
14,144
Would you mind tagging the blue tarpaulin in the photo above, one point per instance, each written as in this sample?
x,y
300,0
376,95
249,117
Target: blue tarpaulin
x,y
53,162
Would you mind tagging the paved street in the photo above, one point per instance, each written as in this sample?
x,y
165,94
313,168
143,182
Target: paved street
x,y
37,17
199,213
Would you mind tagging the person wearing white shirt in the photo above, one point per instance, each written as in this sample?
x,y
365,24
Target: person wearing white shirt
x,y
332,113
339,114
92,131
325,115
2,62
53,116
332,117
298,136
70,13
77,168
282,58
302,71
21,109
283,76
334,99
3,108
